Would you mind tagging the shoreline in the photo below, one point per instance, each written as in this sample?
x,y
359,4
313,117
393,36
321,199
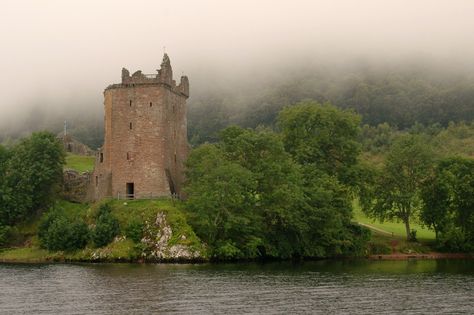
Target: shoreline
x,y
427,256
384,257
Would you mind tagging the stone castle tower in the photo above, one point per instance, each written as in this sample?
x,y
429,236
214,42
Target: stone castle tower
x,y
145,143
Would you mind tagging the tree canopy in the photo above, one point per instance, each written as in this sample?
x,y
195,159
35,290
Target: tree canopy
x,y
398,185
251,196
31,173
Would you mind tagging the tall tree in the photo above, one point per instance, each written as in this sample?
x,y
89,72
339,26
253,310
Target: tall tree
x,y
32,172
398,186
449,203
321,136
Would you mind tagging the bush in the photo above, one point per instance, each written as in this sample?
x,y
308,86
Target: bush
x,y
454,240
5,233
134,231
106,228
58,232
379,248
226,250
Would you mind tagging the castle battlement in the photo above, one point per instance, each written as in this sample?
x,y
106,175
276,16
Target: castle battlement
x,y
164,76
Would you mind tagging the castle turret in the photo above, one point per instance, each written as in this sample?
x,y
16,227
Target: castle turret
x,y
125,75
166,73
184,86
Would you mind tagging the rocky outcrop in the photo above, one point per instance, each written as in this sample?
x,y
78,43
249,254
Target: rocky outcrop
x,y
161,244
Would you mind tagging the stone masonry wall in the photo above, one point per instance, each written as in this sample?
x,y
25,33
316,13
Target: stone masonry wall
x,y
145,136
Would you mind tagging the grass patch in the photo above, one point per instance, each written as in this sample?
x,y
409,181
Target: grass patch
x,y
27,254
397,228
80,163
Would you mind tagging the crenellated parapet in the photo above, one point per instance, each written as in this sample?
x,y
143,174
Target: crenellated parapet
x,y
164,77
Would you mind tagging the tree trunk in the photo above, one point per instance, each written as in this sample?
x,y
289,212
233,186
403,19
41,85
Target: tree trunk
x,y
407,227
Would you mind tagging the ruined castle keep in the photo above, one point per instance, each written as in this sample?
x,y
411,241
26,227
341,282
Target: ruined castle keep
x,y
145,142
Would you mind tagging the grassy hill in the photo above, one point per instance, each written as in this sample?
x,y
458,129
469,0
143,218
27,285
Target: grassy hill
x,y
80,163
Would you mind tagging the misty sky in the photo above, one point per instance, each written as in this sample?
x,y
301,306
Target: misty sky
x,y
62,54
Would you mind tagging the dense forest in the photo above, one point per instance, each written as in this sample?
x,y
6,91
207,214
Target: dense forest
x,y
401,96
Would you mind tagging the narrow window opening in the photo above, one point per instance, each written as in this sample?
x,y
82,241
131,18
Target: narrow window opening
x,y
130,126
151,104
129,156
175,158
130,103
101,157
97,180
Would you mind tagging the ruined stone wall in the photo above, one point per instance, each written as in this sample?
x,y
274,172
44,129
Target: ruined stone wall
x,y
76,186
145,136
73,146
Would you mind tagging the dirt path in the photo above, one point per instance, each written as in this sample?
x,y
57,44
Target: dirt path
x,y
375,229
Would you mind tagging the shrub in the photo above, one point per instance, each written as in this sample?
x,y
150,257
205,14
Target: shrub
x,y
58,232
134,231
226,250
454,240
379,248
5,233
106,228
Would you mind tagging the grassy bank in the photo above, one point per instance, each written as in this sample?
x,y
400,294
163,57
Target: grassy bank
x,y
387,237
145,212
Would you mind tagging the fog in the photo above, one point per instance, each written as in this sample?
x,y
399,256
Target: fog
x,y
58,56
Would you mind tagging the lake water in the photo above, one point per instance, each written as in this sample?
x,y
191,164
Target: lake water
x,y
325,287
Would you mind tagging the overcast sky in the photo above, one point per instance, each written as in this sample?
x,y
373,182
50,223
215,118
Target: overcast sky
x,y
64,53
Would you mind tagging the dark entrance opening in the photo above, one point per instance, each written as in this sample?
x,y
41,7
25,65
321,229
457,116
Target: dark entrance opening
x,y
130,191
170,182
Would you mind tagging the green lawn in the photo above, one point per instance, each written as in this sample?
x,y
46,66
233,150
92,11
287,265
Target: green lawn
x,y
397,228
80,163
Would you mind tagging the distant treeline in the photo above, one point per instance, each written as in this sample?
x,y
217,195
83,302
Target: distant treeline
x,y
400,95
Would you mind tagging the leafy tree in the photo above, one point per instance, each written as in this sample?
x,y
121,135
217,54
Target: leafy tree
x,y
57,231
248,199
106,226
398,186
221,195
134,230
436,196
322,137
449,203
32,173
